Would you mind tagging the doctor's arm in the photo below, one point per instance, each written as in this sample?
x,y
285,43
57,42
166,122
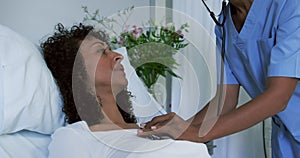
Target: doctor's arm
x,y
273,100
230,91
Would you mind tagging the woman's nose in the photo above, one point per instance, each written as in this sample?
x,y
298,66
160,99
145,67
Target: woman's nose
x,y
118,57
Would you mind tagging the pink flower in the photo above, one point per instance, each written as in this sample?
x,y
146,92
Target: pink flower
x,y
121,41
137,31
179,32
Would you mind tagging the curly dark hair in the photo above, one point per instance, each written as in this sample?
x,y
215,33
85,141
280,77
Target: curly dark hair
x,y
60,53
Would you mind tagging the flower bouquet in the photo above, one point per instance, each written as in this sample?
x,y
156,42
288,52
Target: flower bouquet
x,y
150,47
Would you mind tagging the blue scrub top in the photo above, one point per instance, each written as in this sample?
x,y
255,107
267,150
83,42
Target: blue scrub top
x,y
268,45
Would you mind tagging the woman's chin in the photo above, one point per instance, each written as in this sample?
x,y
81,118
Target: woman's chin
x,y
120,87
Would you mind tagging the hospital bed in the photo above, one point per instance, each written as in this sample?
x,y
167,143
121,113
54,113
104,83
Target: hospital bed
x,y
30,102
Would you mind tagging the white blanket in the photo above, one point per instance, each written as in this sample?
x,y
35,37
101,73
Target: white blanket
x,y
77,140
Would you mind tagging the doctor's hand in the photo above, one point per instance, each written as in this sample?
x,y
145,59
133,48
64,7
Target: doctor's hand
x,y
170,125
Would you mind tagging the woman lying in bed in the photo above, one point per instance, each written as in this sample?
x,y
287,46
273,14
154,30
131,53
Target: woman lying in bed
x,y
93,86
90,78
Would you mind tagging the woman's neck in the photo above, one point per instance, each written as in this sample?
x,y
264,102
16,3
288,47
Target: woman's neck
x,y
113,118
110,109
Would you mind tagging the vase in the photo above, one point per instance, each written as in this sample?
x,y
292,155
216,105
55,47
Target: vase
x,y
158,91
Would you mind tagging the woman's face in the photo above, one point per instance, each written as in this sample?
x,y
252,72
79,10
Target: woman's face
x,y
103,66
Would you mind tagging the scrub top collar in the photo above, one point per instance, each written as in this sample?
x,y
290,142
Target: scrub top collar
x,y
250,22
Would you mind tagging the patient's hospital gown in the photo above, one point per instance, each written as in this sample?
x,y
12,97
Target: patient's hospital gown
x,y
77,141
268,45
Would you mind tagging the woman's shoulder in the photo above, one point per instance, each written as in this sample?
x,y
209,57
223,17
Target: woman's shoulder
x,y
70,141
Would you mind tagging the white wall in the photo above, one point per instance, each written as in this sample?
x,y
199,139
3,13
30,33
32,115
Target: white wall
x,y
35,19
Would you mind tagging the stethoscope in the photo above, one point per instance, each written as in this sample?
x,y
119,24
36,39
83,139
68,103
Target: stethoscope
x,y
220,24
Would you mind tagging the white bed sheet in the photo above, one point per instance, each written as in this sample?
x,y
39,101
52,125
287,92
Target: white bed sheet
x,y
77,141
27,144
24,144
119,142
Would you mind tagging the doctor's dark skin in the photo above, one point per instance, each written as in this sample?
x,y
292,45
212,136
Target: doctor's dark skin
x,y
231,119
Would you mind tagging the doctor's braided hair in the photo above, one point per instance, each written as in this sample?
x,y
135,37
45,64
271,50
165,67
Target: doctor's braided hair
x,y
79,103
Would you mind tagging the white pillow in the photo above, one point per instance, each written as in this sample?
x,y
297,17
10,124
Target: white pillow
x,y
144,105
29,96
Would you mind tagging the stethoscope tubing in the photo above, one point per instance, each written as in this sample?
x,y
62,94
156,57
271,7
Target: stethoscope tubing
x,y
220,24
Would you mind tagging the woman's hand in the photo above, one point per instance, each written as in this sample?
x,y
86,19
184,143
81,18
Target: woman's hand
x,y
170,125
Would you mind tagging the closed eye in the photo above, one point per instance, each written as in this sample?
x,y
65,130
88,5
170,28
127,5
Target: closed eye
x,y
105,52
101,51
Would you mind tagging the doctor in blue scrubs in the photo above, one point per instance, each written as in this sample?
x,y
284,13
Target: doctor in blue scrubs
x,y
262,54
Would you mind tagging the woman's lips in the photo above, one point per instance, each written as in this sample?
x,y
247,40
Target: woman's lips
x,y
119,68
